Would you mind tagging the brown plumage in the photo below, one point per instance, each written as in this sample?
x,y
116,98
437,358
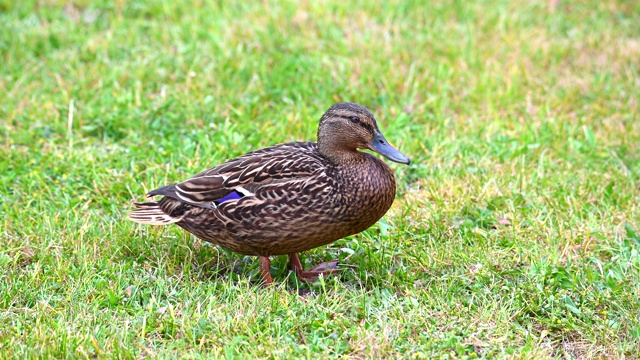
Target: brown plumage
x,y
287,198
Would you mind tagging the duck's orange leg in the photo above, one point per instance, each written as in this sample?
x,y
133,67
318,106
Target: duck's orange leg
x,y
265,269
326,268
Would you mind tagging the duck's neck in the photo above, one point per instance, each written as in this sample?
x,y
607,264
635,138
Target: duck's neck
x,y
339,155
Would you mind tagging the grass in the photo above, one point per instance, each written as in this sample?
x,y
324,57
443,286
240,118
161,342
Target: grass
x,y
515,232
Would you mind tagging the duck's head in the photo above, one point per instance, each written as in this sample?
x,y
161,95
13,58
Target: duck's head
x,y
346,127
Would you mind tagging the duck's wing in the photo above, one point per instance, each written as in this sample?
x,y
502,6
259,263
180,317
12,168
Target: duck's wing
x,y
242,176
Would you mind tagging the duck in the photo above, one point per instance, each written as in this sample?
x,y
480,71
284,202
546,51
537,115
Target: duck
x,y
287,198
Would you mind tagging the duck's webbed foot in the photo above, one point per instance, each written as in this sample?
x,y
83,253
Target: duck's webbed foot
x,y
325,268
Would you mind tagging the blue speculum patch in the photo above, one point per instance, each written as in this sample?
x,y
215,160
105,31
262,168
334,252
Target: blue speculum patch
x,y
234,195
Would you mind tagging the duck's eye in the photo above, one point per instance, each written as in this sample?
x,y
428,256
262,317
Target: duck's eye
x,y
354,119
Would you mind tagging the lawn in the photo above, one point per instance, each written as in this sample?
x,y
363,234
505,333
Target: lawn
x,y
515,231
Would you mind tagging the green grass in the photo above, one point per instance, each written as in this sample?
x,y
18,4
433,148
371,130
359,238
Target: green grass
x,y
516,228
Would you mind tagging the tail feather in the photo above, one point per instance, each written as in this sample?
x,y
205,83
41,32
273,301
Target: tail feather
x,y
151,214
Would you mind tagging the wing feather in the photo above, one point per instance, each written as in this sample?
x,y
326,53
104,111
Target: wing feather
x,y
247,173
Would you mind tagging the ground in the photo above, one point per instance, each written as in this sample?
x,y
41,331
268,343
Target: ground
x,y
515,231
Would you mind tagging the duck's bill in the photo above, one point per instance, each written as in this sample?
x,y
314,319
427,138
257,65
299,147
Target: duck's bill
x,y
380,145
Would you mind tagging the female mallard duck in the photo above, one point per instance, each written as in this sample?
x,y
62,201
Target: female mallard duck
x,y
287,198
